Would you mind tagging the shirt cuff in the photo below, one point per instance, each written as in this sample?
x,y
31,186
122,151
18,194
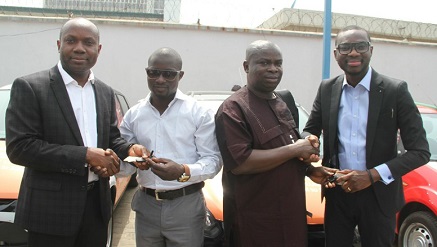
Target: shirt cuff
x,y
385,173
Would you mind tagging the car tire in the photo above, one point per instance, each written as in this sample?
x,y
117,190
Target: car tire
x,y
418,229
110,230
133,181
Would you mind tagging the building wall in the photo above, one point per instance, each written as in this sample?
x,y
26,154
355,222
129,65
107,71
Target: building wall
x,y
170,9
132,6
212,56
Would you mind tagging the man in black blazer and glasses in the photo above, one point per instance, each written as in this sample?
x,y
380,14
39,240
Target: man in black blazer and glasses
x,y
360,114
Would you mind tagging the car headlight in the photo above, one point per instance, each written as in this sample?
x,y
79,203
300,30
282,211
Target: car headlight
x,y
213,227
8,205
7,210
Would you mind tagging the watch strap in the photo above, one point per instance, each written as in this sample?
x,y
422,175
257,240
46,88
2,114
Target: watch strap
x,y
185,176
186,170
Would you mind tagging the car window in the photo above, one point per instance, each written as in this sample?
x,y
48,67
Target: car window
x,y
121,106
4,100
430,126
122,102
303,118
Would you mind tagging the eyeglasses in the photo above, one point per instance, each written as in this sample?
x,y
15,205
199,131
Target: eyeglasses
x,y
169,75
346,48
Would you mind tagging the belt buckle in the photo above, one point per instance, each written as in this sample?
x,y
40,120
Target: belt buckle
x,y
157,195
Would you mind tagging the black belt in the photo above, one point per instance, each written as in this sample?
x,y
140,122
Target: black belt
x,y
92,185
173,194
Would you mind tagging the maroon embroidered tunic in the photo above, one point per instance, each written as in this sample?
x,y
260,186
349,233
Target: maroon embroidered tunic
x,y
265,209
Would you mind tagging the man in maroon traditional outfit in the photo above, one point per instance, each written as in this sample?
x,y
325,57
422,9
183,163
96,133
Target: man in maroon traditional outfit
x,y
265,162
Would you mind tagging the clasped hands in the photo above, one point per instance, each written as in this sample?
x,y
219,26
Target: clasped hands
x,y
106,163
310,153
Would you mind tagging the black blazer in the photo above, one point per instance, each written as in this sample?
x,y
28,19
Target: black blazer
x,y
42,134
391,108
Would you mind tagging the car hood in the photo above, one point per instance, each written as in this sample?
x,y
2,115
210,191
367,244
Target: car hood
x,y
10,175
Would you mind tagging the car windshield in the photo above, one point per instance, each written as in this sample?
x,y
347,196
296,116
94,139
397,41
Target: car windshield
x,y
4,100
430,125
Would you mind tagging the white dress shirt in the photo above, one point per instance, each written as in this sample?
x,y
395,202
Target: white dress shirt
x,y
83,102
184,133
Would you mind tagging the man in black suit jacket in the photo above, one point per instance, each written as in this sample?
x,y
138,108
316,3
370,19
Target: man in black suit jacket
x,y
360,114
61,125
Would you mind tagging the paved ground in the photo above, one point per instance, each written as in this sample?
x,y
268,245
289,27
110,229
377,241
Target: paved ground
x,y
124,220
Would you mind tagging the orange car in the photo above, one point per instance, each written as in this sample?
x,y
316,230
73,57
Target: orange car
x,y
213,190
10,180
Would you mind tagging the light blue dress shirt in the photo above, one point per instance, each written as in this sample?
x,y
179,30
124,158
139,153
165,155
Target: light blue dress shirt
x,y
352,128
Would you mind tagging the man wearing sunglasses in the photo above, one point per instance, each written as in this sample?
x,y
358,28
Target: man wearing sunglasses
x,y
360,114
169,205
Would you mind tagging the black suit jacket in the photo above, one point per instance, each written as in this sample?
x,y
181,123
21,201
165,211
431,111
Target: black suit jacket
x,y
391,108
42,134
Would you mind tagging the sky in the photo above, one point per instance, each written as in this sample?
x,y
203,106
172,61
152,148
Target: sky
x,y
251,13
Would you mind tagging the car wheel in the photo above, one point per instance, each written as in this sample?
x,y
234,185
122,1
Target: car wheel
x,y
133,181
110,228
418,229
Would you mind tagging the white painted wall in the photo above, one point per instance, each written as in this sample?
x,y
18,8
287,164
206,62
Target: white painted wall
x,y
212,56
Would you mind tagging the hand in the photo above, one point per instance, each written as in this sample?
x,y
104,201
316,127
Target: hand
x,y
354,180
312,158
140,151
166,169
307,152
314,140
320,174
103,162
99,171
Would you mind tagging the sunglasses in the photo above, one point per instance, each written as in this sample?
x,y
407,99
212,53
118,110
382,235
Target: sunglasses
x,y
169,75
346,48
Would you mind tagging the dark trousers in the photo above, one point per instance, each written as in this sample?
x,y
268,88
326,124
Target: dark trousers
x,y
93,231
344,211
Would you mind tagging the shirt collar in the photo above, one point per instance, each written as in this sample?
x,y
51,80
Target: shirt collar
x,y
68,79
365,82
178,96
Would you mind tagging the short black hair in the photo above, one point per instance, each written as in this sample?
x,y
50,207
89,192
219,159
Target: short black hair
x,y
352,27
167,52
258,45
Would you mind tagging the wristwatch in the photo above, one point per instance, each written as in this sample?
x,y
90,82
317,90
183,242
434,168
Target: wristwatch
x,y
185,176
